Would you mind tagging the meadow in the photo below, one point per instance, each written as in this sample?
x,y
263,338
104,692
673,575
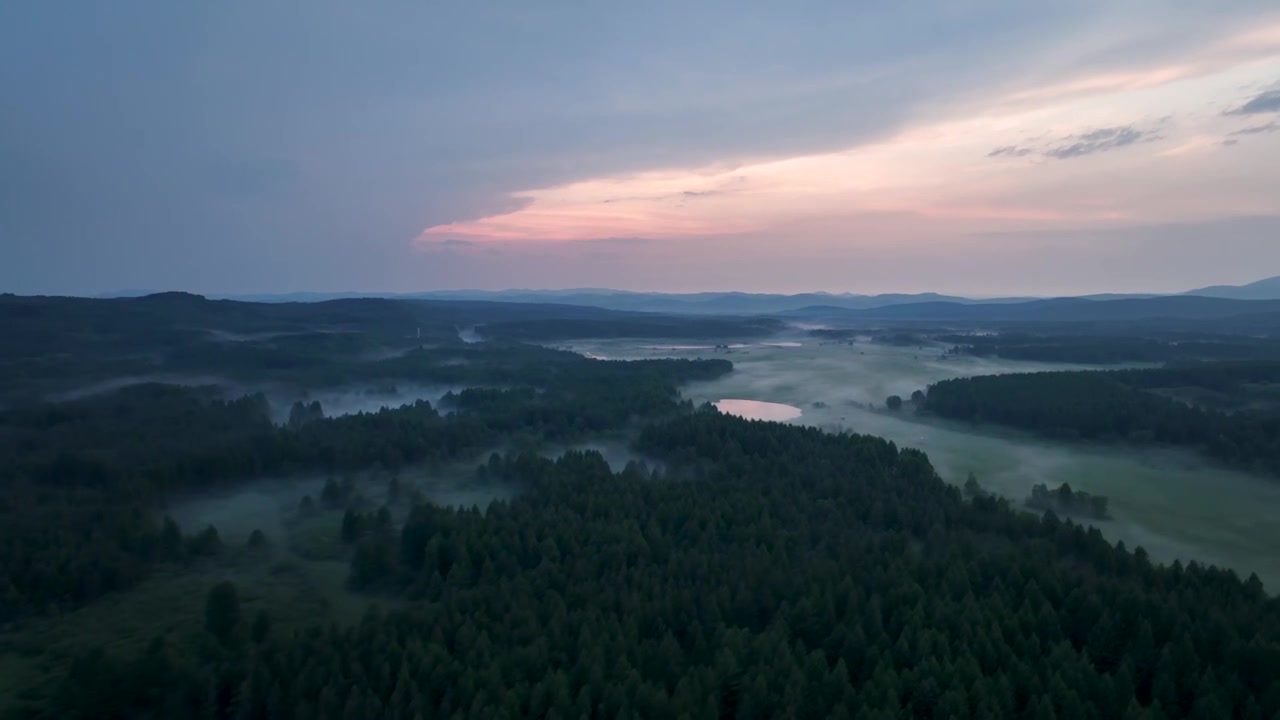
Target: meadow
x,y
1173,503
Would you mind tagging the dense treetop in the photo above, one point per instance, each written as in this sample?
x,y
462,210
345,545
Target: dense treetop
x,y
774,571
1120,406
82,478
1116,347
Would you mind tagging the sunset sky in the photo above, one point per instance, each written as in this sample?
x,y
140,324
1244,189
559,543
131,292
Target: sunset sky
x,y
966,146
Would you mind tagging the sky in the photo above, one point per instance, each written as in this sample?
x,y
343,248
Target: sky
x,y
981,147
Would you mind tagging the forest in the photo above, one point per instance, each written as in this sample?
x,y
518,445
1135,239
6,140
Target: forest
x,y
1117,347
80,477
1123,406
59,345
774,571
731,569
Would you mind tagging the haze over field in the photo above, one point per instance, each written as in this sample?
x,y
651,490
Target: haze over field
x,y
996,148
1173,504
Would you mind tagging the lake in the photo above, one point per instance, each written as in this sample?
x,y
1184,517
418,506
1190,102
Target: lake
x,y
758,409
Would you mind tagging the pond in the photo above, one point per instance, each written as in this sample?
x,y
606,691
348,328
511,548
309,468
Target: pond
x,y
758,409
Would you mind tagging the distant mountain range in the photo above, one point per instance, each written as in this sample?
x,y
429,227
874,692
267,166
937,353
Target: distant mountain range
x,y
711,303
1261,313
741,303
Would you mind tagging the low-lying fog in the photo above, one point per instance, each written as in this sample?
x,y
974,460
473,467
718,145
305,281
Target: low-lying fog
x,y
352,400
119,383
1173,503
334,401
272,505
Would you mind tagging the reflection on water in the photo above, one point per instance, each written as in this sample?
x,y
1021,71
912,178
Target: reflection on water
x,y
758,410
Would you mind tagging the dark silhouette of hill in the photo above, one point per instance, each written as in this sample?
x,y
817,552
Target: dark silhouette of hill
x,y
1181,307
721,303
705,303
1266,289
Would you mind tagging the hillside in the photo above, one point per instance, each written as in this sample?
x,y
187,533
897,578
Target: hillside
x,y
1266,289
1265,313
705,303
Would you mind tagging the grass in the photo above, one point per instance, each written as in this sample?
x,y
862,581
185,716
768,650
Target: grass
x,y
318,537
299,579
1173,503
294,592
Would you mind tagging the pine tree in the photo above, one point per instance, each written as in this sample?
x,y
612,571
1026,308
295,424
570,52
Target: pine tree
x,y
261,627
222,611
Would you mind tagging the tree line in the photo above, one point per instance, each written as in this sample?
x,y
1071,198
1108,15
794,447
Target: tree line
x,y
1131,346
1116,406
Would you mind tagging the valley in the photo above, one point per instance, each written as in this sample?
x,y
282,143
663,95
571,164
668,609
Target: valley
x,y
1174,504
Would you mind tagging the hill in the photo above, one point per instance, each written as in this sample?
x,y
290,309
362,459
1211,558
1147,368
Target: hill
x,y
1256,313
1266,289
705,303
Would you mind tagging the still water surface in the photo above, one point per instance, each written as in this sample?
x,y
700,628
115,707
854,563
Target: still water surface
x,y
758,409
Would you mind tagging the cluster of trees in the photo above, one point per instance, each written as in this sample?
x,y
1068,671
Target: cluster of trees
x,y
835,333
634,325
56,345
899,339
1116,406
80,481
776,571
1114,348
302,413
894,402
973,489
1066,501
1220,377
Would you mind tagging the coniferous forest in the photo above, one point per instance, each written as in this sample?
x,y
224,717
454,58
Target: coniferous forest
x,y
1126,406
774,572
735,569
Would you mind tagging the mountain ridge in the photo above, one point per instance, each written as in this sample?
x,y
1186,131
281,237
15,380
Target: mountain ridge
x,y
1264,289
731,302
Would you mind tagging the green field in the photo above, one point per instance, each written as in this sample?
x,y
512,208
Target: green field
x,y
1171,502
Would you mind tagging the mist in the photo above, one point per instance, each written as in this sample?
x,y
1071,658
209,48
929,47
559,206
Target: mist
x,y
1172,502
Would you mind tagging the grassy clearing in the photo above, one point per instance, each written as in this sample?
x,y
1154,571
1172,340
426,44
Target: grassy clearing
x,y
293,591
299,579
318,538
1174,504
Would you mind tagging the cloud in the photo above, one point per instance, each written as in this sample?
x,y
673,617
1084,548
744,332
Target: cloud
x,y
1096,141
1265,102
1270,127
1156,257
228,150
1010,151
1085,143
